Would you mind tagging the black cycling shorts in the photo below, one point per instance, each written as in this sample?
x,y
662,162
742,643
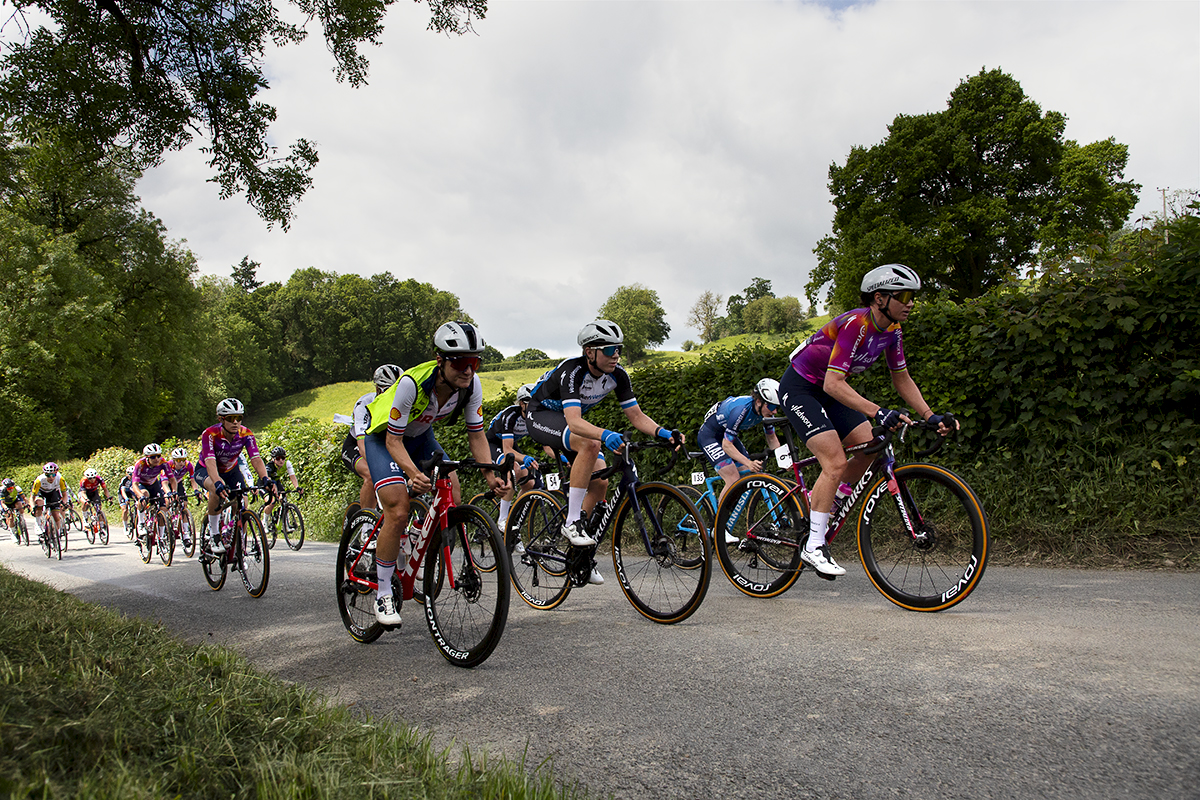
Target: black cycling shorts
x,y
811,410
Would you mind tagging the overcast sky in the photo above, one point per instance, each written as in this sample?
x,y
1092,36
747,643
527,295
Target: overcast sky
x,y
569,148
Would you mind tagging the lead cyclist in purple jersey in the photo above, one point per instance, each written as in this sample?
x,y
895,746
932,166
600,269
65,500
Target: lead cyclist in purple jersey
x,y
828,413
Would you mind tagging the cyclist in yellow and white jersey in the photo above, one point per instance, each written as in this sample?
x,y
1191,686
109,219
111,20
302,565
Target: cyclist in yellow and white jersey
x,y
48,491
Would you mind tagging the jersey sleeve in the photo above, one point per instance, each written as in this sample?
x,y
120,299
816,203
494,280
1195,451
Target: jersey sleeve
x,y
895,353
474,410
624,389
851,336
402,403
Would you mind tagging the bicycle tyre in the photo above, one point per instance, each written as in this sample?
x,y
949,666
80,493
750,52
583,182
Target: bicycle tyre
x,y
46,543
102,527
90,530
254,556
761,502
187,531
467,619
129,521
164,538
145,543
667,584
22,531
71,518
356,603
539,574
293,526
939,572
215,567
271,529
488,503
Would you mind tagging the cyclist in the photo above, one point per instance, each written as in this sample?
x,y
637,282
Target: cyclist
x,y
277,468
220,446
400,436
555,414
718,436
90,486
125,497
353,455
185,473
48,490
149,471
505,430
14,502
828,413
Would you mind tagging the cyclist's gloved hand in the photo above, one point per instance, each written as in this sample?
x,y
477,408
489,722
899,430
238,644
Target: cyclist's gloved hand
x,y
887,418
299,491
612,440
219,487
527,462
563,458
946,419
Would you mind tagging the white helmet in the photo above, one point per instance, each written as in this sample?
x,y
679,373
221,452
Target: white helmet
x,y
152,450
768,389
230,405
89,473
600,333
179,452
524,393
890,278
458,339
386,375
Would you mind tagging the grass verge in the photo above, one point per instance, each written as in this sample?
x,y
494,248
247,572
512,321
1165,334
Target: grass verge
x,y
93,704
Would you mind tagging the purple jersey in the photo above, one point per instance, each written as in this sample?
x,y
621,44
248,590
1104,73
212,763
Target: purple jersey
x,y
146,473
848,343
216,444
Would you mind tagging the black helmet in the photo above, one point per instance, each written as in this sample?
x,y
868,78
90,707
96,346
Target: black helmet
x,y
278,452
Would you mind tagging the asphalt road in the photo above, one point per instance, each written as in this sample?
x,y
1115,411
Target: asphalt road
x,y
1044,683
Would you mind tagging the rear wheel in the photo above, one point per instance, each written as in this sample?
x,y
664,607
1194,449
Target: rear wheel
x,y
22,530
293,526
467,619
71,519
215,566
356,599
537,550
164,536
666,583
945,561
89,529
254,557
102,526
770,527
47,541
144,542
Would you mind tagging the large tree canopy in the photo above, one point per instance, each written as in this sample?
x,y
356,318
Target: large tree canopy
x,y
641,316
147,76
970,196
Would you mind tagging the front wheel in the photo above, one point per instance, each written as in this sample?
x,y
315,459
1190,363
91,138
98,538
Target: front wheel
x,y
293,526
89,530
145,542
761,526
164,536
187,532
942,564
254,556
102,527
467,610
537,550
356,599
661,553
22,530
45,541
71,519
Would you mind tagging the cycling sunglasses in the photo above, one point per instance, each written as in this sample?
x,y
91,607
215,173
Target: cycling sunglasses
x,y
611,351
233,417
904,296
464,363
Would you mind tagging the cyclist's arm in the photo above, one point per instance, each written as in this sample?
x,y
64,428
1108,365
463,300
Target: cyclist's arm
x,y
839,389
638,419
483,454
580,426
260,468
731,450
907,389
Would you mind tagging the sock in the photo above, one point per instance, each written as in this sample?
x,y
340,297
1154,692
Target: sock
x,y
502,518
385,570
818,523
575,504
214,520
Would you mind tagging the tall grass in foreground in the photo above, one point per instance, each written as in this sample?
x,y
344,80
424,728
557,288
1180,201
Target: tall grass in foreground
x,y
96,705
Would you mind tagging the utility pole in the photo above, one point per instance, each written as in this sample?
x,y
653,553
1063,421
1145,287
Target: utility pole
x,y
1166,233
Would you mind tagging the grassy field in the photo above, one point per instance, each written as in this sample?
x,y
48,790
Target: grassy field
x,y
96,705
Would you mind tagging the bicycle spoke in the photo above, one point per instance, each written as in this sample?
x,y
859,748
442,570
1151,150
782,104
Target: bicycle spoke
x,y
759,531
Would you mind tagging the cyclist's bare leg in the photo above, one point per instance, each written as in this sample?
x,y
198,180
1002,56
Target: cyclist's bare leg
x,y
729,473
393,499
366,495
835,469
587,455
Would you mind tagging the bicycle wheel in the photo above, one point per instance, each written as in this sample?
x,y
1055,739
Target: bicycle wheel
x,y
215,567
944,563
293,526
60,540
22,530
164,538
72,519
489,503
129,521
102,527
187,532
89,530
44,539
356,601
771,526
467,612
145,542
254,556
667,581
271,529
537,550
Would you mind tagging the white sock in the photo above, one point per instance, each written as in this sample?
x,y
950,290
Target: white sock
x,y
384,571
575,504
505,505
214,522
817,525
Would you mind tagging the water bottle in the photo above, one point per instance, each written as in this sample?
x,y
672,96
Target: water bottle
x,y
843,492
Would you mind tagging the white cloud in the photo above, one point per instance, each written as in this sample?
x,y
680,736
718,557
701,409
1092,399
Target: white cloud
x,y
570,148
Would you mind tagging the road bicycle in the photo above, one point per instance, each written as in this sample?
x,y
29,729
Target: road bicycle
x,y
706,501
154,531
71,517
95,523
183,527
15,522
285,518
51,535
464,575
922,532
660,544
245,546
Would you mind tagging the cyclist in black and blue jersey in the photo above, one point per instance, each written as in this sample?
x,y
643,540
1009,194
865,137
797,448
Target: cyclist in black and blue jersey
x,y
354,455
555,415
718,436
505,430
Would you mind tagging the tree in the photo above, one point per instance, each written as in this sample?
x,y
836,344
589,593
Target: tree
x,y
491,355
245,274
971,196
530,354
773,315
641,316
150,75
705,316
